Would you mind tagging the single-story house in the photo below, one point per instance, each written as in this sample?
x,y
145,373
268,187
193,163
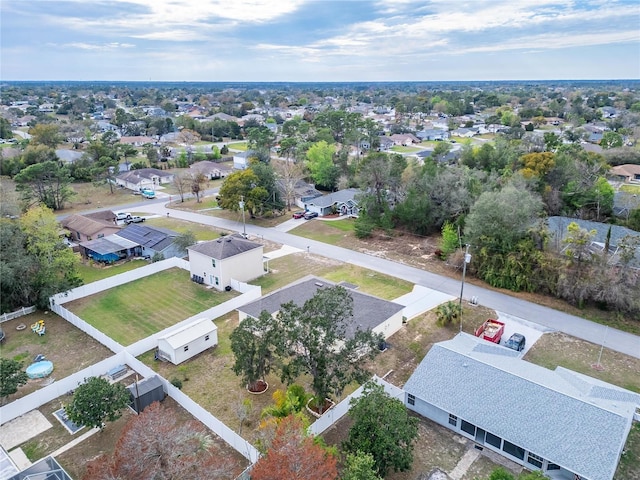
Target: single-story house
x,y
302,192
385,143
343,202
137,180
433,134
211,170
464,132
404,139
628,172
153,240
369,312
564,423
91,226
137,141
144,393
110,249
558,229
188,341
232,257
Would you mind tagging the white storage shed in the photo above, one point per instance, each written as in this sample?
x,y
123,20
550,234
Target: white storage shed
x,y
188,341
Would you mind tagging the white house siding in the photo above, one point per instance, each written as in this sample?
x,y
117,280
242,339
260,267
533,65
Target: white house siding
x,y
177,353
243,267
390,326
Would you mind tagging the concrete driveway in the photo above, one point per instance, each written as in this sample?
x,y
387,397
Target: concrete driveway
x,y
421,300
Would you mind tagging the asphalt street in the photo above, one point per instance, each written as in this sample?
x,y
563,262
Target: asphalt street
x,y
547,317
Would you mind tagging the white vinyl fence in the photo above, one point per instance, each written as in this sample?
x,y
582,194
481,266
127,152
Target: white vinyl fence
x,y
151,342
340,410
5,317
238,443
90,330
58,388
120,279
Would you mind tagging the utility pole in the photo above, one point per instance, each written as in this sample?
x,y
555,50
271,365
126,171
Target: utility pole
x,y
244,225
467,259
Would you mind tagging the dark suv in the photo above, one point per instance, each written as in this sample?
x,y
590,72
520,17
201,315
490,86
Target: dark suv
x,y
516,342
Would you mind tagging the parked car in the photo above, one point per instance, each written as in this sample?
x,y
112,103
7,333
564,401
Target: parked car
x,y
298,214
310,215
135,219
516,342
122,216
148,194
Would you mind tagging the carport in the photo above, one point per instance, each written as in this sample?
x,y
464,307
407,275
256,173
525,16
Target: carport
x,y
109,249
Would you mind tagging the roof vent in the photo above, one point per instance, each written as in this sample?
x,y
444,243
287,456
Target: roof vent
x,y
318,284
219,240
228,239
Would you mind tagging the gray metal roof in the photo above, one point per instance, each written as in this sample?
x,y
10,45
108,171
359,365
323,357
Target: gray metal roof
x,y
224,247
368,311
573,420
110,244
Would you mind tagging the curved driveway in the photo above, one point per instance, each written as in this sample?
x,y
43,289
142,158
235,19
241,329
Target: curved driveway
x,y
576,326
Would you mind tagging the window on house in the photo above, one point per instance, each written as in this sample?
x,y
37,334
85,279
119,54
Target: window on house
x,y
493,440
534,459
101,235
217,281
411,399
186,348
453,420
513,450
213,262
553,466
470,428
206,338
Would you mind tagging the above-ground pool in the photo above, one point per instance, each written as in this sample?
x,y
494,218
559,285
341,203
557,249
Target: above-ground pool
x,y
40,369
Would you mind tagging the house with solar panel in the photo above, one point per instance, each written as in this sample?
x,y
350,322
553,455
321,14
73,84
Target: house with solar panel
x,y
568,425
134,240
220,262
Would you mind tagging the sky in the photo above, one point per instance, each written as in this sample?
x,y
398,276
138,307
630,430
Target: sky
x,y
319,40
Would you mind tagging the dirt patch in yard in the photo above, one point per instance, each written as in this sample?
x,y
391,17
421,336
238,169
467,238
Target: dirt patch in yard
x,y
435,447
67,347
75,459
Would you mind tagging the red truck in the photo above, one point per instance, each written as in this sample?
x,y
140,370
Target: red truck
x,y
491,330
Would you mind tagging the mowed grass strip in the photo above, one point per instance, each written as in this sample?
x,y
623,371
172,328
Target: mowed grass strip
x,y
135,310
290,268
334,232
92,273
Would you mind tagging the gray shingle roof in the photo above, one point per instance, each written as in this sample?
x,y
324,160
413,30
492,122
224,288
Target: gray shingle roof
x,y
341,196
573,420
224,247
368,311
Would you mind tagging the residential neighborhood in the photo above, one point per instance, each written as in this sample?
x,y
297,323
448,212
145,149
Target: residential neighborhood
x,y
223,252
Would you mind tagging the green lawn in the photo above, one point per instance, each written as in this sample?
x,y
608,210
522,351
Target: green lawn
x,y
290,268
133,311
237,146
91,273
201,231
630,188
403,149
333,232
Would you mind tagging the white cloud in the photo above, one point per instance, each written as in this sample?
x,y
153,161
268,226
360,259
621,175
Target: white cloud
x,y
93,46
